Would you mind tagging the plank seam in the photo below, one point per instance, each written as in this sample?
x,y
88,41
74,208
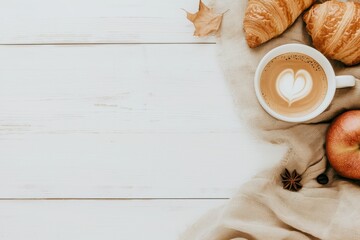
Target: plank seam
x,y
106,199
107,43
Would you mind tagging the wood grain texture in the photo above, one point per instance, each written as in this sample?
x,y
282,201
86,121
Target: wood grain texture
x,y
113,121
122,220
123,121
98,21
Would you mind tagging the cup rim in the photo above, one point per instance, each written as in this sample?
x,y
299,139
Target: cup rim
x,y
311,52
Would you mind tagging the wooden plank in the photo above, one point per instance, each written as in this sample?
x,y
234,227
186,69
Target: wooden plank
x,y
43,220
98,21
114,89
122,121
128,165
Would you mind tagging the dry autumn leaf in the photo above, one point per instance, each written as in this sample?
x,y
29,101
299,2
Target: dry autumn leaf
x,y
206,21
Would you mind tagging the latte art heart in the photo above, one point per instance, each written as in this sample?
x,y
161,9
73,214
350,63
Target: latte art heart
x,y
293,86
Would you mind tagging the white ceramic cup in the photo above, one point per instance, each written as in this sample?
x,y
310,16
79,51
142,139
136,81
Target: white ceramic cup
x,y
333,81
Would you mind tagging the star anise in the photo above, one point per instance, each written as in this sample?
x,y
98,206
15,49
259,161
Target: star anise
x,y
291,181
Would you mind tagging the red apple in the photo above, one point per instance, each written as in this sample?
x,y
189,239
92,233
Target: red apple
x,y
343,144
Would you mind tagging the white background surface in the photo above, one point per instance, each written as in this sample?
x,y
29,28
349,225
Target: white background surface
x,y
115,122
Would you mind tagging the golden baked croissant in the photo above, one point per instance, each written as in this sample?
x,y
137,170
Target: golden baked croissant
x,y
265,19
335,30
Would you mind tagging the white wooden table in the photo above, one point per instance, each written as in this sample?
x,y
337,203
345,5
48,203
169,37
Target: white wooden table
x,y
115,122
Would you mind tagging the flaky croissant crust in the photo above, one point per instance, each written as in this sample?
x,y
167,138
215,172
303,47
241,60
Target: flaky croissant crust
x,y
266,19
335,30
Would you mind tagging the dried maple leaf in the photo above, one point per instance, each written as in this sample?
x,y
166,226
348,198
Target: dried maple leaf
x,y
206,21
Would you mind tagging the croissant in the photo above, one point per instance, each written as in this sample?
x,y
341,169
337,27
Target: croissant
x,y
335,30
266,19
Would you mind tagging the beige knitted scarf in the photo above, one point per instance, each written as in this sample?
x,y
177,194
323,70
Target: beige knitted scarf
x,y
262,209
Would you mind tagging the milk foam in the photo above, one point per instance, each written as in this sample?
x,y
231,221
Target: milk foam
x,y
293,86
301,94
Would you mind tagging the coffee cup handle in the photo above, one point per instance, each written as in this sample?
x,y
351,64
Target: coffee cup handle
x,y
345,81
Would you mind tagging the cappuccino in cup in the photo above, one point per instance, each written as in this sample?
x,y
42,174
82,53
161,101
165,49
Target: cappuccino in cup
x,y
296,83
293,84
